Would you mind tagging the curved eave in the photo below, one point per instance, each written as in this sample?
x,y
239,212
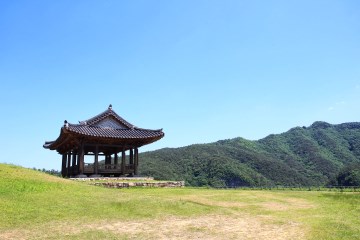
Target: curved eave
x,y
48,144
73,133
52,145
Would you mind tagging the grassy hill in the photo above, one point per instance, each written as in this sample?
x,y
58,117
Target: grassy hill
x,y
303,156
34,205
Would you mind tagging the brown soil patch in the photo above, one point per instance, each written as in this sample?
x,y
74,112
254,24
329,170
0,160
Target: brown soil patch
x,y
208,202
300,203
203,227
288,205
275,206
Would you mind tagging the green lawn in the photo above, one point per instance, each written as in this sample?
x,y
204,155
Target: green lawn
x,y
34,205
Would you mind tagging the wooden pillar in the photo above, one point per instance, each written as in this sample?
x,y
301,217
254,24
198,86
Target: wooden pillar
x,y
132,161
107,161
136,161
123,162
116,160
63,165
73,172
131,156
81,160
68,171
78,161
96,162
137,157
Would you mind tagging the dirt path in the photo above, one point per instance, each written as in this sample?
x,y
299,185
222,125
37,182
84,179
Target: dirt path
x,y
203,227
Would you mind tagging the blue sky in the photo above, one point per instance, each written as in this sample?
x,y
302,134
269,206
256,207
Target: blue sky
x,y
202,70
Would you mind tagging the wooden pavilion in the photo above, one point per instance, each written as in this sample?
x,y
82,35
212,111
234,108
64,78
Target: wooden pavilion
x,y
108,135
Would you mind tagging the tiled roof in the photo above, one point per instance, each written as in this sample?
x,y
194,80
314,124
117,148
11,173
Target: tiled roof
x,y
114,133
106,125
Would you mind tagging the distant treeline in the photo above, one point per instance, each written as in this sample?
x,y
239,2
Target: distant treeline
x,y
320,155
51,172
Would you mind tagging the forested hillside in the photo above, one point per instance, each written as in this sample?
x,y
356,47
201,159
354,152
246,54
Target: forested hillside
x,y
303,156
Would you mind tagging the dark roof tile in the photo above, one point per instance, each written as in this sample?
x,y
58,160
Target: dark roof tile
x,y
114,133
106,125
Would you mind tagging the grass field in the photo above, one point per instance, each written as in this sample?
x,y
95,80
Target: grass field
x,y
34,205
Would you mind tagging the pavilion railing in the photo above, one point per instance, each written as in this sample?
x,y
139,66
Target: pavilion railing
x,y
89,167
74,169
109,166
129,167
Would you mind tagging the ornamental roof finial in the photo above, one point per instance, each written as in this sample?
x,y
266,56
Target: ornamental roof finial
x,y
110,107
66,124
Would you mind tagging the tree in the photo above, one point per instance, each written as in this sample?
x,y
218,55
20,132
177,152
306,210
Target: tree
x,y
349,175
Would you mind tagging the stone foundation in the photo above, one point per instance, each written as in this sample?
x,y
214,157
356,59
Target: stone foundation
x,y
169,184
127,182
113,179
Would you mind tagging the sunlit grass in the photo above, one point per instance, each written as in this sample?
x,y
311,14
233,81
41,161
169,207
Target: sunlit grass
x,y
33,201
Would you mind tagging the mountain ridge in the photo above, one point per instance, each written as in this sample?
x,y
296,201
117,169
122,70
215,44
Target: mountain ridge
x,y
302,156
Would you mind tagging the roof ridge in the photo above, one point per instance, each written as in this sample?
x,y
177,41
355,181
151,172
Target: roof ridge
x,y
108,112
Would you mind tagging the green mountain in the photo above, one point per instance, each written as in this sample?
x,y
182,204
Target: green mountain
x,y
302,156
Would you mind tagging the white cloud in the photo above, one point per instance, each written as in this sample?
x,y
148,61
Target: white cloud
x,y
337,105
